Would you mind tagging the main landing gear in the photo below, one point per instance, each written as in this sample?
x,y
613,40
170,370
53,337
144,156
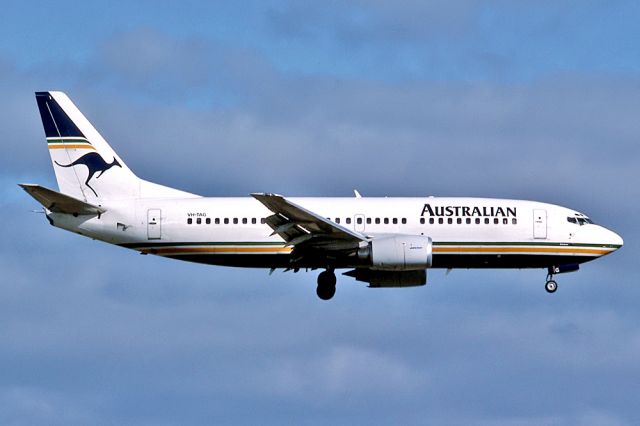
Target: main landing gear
x,y
326,284
551,286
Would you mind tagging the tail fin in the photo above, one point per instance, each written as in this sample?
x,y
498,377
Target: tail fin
x,y
86,167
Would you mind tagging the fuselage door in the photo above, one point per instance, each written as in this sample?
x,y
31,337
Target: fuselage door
x,y
154,224
358,221
539,223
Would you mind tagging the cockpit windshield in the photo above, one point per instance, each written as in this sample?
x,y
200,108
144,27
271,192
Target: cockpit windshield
x,y
579,220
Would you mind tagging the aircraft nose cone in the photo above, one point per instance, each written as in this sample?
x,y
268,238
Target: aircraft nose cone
x,y
616,239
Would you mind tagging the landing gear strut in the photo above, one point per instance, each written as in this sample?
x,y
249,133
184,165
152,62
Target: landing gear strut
x,y
326,284
551,286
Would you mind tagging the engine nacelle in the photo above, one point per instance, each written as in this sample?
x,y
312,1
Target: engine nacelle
x,y
390,278
399,253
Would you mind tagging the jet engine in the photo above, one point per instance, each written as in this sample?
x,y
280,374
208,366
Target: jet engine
x,y
398,253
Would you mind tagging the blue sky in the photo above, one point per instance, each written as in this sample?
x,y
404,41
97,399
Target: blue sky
x,y
532,100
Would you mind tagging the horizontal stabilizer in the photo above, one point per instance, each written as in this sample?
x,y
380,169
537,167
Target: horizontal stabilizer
x,y
60,203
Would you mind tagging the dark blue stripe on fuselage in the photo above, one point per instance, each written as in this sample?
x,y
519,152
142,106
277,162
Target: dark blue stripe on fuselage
x,y
55,121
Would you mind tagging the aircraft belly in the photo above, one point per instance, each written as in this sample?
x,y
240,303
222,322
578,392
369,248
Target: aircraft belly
x,y
479,261
448,261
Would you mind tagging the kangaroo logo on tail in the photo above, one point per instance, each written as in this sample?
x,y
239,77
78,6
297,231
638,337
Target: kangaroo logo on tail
x,y
95,163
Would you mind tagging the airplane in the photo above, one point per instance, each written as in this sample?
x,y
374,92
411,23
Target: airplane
x,y
385,242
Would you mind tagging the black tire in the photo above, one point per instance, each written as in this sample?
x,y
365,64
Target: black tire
x,y
326,292
326,285
327,278
551,286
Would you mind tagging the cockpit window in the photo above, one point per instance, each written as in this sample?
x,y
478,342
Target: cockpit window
x,y
580,220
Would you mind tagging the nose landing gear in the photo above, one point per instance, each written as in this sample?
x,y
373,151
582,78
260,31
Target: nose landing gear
x,y
551,286
326,284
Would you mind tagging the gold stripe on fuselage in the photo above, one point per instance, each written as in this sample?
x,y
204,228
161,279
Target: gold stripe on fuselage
x,y
436,250
520,250
219,250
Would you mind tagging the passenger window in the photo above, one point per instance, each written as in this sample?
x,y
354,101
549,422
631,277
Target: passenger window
x,y
395,220
431,220
263,220
337,220
368,221
348,221
486,221
377,221
386,220
359,221
477,221
440,220
208,220
244,220
422,221
199,221
253,221
505,221
459,220
468,221
235,220
189,221
496,221
450,221
514,221
404,220
226,220
217,221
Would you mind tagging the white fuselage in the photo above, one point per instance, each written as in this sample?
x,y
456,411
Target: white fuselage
x,y
466,232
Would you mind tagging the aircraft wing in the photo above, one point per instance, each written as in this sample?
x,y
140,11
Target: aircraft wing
x,y
300,227
60,203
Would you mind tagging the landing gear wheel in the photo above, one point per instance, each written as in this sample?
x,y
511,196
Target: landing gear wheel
x,y
326,285
326,292
551,286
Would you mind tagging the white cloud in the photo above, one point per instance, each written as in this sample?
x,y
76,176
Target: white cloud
x,y
343,370
24,405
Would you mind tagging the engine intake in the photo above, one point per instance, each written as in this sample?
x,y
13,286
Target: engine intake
x,y
398,253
